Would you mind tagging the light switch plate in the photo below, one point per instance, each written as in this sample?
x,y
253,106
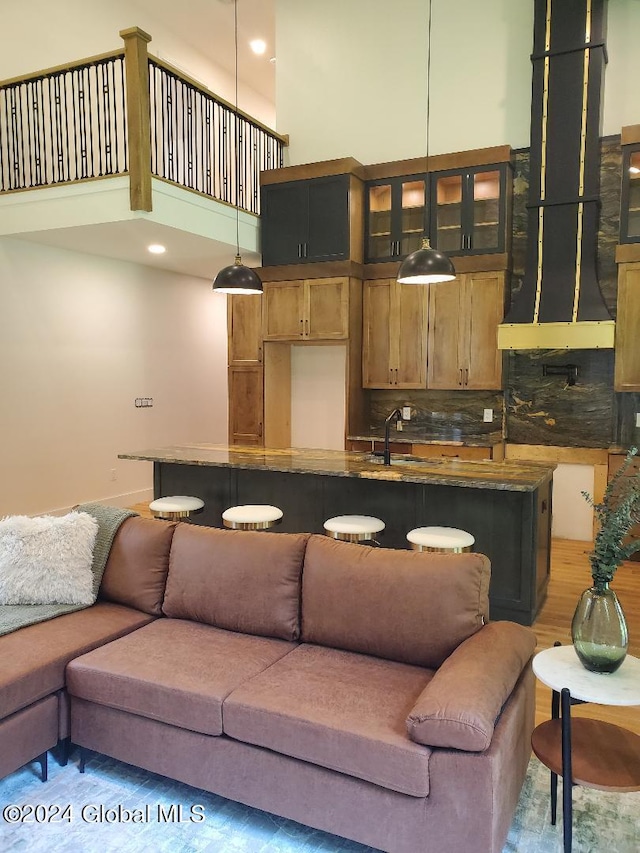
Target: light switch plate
x,y
638,419
406,413
488,416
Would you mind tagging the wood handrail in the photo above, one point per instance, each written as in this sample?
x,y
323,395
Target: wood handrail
x,y
284,138
57,69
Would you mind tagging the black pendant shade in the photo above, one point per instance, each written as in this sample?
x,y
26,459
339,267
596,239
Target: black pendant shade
x,y
237,279
425,266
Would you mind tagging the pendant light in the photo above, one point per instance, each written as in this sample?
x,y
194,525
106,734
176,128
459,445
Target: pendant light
x,y
426,265
237,278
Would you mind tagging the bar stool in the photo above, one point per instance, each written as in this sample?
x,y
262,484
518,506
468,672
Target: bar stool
x,y
251,517
175,507
443,540
354,528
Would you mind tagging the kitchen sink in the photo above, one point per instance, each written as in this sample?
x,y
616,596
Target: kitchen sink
x,y
406,460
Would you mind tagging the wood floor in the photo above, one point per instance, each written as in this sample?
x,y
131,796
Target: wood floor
x,y
570,575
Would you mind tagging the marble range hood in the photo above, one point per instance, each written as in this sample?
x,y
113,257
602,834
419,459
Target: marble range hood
x,y
559,305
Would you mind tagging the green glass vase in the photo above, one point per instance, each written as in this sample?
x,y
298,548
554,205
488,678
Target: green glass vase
x,y
599,630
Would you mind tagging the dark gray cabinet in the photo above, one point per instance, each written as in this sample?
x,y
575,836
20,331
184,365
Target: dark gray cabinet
x,y
630,196
305,221
469,209
395,217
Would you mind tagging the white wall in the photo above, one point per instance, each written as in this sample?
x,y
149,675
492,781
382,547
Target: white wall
x,y
318,383
351,76
80,339
38,34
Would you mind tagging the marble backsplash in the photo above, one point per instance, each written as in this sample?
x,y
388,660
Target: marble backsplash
x,y
438,415
537,409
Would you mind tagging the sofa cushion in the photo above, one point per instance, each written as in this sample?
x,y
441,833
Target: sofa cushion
x,y
136,571
34,658
174,671
337,709
238,580
409,606
460,706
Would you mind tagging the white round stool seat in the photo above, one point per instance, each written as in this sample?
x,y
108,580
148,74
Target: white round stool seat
x,y
175,507
251,517
353,528
442,539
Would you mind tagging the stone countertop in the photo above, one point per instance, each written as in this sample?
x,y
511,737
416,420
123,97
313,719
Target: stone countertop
x,y
507,476
405,437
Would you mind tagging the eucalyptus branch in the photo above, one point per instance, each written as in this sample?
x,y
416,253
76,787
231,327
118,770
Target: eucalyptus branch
x,y
617,514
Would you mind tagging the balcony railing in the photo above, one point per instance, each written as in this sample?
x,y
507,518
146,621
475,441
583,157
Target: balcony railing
x,y
129,113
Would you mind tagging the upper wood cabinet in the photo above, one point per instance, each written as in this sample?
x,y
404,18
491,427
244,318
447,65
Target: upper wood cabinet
x,y
305,221
469,209
463,332
310,310
394,335
396,217
627,368
244,328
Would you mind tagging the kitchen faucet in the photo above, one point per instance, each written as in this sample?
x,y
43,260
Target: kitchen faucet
x,y
396,415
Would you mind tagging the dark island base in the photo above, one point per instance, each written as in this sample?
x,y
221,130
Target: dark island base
x,y
512,528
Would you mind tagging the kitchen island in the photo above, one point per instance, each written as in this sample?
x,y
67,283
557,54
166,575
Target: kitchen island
x,y
506,506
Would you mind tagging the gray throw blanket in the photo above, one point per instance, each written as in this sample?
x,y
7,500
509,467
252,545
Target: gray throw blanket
x,y
109,518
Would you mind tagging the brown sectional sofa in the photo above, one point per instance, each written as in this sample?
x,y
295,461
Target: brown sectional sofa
x,y
354,689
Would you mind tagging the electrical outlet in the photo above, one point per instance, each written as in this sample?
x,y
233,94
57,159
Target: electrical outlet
x,y
488,416
399,425
638,419
406,413
114,476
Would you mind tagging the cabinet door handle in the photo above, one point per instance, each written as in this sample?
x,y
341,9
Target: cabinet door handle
x,y
391,376
396,375
305,249
299,250
306,323
460,376
466,376
259,430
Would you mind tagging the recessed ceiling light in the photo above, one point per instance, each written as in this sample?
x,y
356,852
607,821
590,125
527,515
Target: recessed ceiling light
x,y
156,249
258,46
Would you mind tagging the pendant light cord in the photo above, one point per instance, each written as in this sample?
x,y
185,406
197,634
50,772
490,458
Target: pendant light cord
x,y
237,134
428,79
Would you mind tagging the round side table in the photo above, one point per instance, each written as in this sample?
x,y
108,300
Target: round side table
x,y
583,751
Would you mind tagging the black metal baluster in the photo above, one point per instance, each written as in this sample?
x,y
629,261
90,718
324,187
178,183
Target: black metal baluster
x,y
3,158
17,146
125,122
209,148
90,141
153,108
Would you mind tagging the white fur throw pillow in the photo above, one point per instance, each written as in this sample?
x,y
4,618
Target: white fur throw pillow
x,y
47,560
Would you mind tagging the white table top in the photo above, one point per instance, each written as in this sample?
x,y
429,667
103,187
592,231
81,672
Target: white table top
x,y
560,667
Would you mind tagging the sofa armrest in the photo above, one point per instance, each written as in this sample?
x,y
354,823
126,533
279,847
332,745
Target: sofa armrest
x,y
459,707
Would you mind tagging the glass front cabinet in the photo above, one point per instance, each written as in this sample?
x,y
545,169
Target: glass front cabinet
x,y
396,217
469,209
630,197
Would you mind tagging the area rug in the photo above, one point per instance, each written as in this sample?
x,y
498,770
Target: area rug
x,y
93,814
